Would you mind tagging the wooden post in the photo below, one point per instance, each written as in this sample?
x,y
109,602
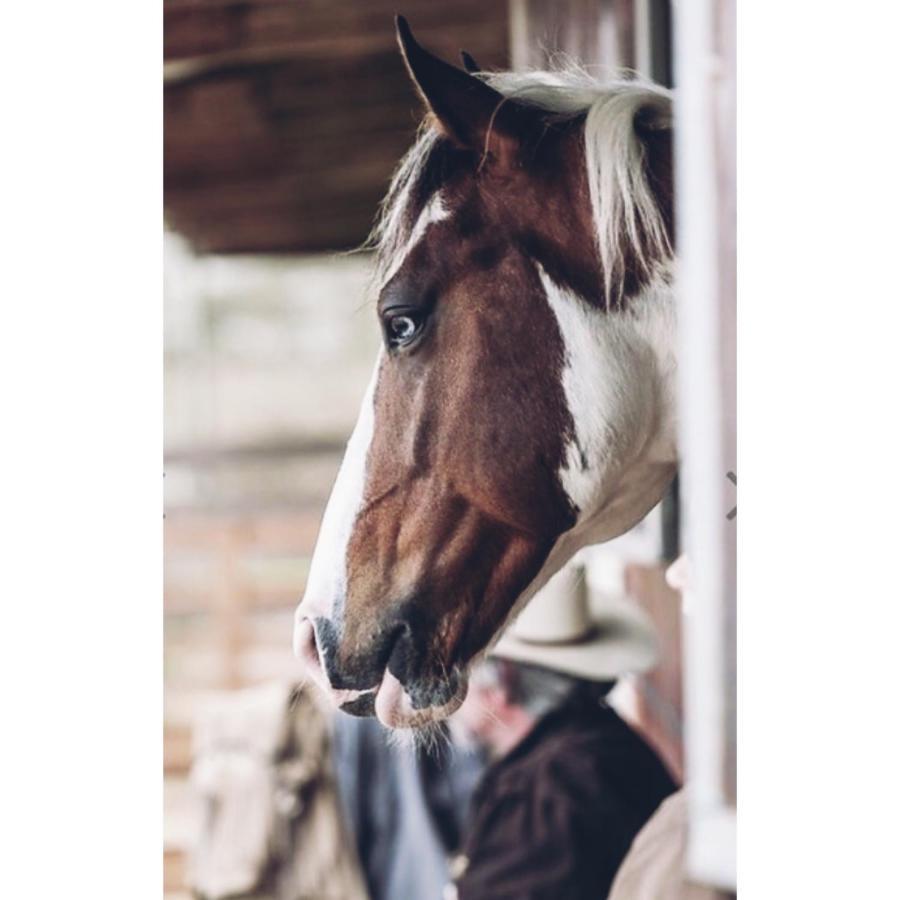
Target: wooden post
x,y
705,195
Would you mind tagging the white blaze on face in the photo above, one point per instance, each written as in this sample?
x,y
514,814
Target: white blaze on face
x,y
327,583
435,211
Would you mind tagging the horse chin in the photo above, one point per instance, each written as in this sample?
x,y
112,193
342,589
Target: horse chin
x,y
394,707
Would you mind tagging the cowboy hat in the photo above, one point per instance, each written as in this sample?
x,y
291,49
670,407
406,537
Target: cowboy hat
x,y
597,637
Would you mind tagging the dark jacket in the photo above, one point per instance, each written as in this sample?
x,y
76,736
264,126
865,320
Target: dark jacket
x,y
556,816
403,807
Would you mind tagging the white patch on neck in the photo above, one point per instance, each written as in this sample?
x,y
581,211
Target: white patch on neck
x,y
618,378
435,210
326,586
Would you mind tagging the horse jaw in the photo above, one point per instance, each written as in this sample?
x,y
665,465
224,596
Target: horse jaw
x,y
614,500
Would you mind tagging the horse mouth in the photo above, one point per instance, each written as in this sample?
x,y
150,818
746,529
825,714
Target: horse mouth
x,y
390,701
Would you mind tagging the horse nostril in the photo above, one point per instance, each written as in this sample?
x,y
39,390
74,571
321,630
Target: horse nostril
x,y
399,651
392,638
305,646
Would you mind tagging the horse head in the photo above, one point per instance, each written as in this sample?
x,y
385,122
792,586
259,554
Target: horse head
x,y
522,404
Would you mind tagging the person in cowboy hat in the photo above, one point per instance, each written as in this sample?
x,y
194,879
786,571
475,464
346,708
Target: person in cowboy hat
x,y
571,783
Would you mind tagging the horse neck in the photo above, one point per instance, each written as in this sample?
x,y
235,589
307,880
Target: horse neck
x,y
619,381
647,458
654,323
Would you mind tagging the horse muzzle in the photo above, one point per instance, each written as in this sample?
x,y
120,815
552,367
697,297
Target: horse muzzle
x,y
385,679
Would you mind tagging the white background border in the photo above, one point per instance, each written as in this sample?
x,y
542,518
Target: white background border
x,y
81,383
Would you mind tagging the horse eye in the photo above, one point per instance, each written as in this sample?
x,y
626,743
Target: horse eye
x,y
401,330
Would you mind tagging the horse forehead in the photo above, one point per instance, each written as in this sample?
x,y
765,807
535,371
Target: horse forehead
x,y
435,210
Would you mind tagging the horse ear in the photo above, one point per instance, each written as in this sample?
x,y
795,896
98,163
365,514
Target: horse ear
x,y
469,63
470,112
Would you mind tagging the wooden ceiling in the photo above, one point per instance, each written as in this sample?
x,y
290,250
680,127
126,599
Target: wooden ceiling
x,y
284,120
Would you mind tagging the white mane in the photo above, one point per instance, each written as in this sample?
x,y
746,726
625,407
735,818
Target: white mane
x,y
625,212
